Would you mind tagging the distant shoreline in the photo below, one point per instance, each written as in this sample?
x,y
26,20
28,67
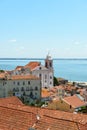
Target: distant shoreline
x,y
42,58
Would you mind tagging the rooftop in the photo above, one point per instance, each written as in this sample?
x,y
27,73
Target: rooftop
x,y
18,77
32,65
74,101
21,117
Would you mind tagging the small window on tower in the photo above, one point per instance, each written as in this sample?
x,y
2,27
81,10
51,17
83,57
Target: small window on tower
x,y
50,64
45,76
40,75
50,77
50,82
46,64
40,68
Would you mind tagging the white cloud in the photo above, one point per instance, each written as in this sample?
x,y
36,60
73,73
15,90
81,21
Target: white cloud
x,y
12,40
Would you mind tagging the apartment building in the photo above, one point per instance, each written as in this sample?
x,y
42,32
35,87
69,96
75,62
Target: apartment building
x,y
27,86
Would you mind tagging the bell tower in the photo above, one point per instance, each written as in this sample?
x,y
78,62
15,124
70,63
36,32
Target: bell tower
x,y
48,62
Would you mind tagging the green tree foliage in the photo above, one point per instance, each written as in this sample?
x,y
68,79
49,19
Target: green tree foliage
x,y
56,83
1,71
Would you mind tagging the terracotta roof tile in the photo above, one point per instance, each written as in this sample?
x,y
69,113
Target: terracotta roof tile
x,y
21,77
21,117
18,67
10,100
32,65
74,101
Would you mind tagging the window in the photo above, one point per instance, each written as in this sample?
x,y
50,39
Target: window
x,y
35,93
45,76
31,94
17,89
46,64
13,94
50,82
28,82
50,77
14,82
36,88
22,89
45,81
5,82
70,106
18,83
14,89
23,83
40,75
50,64
40,68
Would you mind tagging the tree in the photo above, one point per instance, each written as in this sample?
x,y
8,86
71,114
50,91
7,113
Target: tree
x,y
1,71
56,83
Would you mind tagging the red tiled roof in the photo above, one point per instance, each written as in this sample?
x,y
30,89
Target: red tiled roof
x,y
17,77
74,101
18,67
32,65
10,100
2,75
21,117
21,77
14,119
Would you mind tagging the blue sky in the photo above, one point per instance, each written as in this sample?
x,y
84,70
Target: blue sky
x,y
31,28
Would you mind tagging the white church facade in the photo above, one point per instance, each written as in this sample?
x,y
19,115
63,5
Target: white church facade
x,y
44,72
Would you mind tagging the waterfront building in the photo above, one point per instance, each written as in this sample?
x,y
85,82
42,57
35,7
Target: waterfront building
x,y
27,86
44,72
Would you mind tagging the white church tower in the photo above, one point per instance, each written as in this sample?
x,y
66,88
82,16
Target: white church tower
x,y
50,73
48,62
